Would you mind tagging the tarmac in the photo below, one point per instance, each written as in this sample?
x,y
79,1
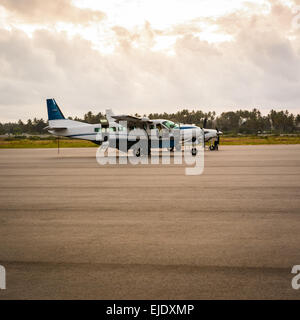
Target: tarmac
x,y
73,229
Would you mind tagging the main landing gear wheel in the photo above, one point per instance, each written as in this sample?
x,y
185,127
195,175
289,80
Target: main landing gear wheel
x,y
137,152
141,152
194,151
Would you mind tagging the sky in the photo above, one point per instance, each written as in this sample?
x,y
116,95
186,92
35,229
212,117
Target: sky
x,y
143,56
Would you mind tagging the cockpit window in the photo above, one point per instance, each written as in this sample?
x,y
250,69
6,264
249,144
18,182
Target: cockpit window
x,y
170,125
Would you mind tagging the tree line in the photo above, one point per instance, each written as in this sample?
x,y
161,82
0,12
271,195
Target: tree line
x,y
232,122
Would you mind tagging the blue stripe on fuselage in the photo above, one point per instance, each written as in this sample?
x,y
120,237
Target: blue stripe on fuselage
x,y
82,134
182,128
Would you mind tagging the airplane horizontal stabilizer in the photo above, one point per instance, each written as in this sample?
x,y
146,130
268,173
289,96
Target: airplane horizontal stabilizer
x,y
55,128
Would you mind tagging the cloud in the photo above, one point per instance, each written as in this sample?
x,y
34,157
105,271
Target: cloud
x,y
49,12
259,68
253,17
144,36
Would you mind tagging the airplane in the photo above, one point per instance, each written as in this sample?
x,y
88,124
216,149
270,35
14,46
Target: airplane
x,y
138,134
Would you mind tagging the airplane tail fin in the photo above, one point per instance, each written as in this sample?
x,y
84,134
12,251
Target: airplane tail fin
x,y
54,112
57,121
109,113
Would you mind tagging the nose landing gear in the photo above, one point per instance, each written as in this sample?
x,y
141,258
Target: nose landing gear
x,y
214,146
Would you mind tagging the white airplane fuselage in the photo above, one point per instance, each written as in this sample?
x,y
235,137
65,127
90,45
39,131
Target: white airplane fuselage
x,y
74,129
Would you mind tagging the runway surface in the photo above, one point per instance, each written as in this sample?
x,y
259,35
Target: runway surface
x,y
72,229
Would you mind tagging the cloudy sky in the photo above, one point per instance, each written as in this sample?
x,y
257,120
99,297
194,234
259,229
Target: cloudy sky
x,y
148,55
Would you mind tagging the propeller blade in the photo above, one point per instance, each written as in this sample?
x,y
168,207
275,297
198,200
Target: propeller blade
x,y
204,122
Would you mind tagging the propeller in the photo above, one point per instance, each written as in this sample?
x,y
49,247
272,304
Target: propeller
x,y
218,134
204,123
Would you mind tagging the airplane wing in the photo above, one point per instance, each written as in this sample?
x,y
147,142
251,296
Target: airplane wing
x,y
131,119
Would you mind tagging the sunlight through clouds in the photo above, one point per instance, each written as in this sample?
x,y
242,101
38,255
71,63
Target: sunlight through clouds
x,y
147,56
163,15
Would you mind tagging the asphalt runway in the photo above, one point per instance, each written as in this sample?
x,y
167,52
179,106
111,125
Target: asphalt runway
x,y
72,229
